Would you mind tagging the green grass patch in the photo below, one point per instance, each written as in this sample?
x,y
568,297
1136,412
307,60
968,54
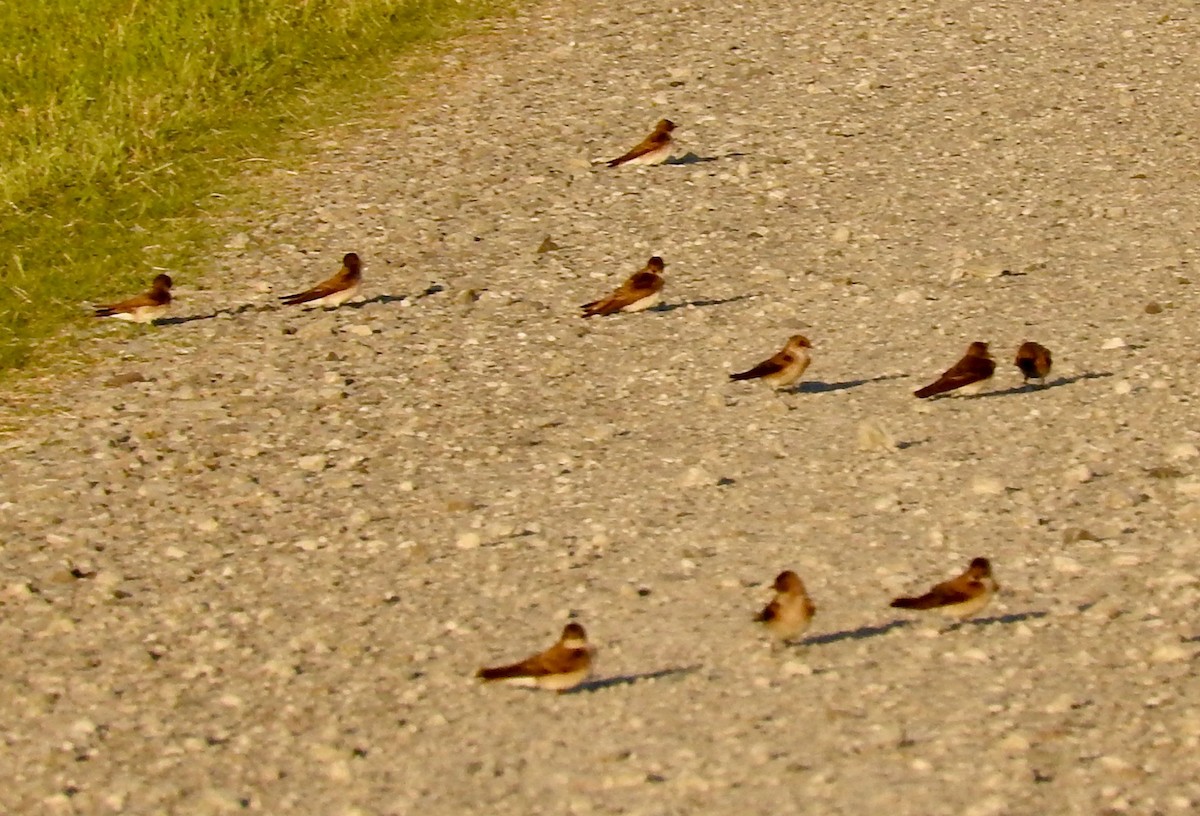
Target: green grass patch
x,y
118,118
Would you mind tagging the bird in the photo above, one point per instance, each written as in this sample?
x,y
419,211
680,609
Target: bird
x,y
335,291
144,308
641,291
788,616
562,667
784,368
654,149
1034,361
975,366
959,597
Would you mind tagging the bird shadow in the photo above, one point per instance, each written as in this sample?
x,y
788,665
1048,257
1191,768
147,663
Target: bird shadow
x,y
630,679
689,158
1026,388
1013,617
384,299
861,633
699,304
180,321
818,387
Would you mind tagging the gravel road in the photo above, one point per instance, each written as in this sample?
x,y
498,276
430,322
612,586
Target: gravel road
x,y
252,562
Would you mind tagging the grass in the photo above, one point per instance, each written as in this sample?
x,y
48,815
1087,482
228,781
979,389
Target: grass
x,y
118,118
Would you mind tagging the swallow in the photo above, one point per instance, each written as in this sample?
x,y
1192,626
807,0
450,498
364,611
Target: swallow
x,y
562,667
146,307
977,365
784,368
654,149
642,291
788,616
959,597
1034,361
335,291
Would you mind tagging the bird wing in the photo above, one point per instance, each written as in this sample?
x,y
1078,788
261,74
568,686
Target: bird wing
x,y
136,302
774,365
769,613
323,289
556,660
948,593
966,371
640,285
651,142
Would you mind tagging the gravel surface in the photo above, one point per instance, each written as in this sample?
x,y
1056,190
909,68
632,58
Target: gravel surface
x,y
253,561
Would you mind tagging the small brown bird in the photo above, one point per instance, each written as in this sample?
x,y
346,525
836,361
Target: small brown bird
x,y
562,667
335,291
642,291
788,616
976,366
784,368
1034,361
959,597
654,149
144,308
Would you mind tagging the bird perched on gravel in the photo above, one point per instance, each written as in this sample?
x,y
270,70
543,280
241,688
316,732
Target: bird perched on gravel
x,y
1034,361
785,368
143,308
976,366
562,667
335,291
959,597
641,291
654,149
788,616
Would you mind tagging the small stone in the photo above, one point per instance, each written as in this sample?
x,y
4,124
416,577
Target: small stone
x,y
1113,343
872,435
841,235
1079,474
311,463
1122,387
1066,565
1183,451
1153,308
469,540
127,378
239,240
359,330
208,525
1171,653
1074,534
987,486
908,296
796,668
547,245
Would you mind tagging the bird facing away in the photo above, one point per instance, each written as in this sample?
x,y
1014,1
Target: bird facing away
x,y
335,291
784,368
654,149
1034,361
641,291
959,597
788,616
143,308
976,366
562,667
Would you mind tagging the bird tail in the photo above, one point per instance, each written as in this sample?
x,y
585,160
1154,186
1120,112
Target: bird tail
x,y
104,311
923,602
930,390
596,307
500,672
296,299
743,375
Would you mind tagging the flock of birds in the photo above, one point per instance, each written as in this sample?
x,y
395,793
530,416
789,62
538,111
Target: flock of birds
x,y
568,663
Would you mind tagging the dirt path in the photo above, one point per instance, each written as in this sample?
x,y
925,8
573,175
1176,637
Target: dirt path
x,y
253,562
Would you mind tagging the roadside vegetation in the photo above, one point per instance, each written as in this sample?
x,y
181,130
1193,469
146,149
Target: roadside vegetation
x,y
119,118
